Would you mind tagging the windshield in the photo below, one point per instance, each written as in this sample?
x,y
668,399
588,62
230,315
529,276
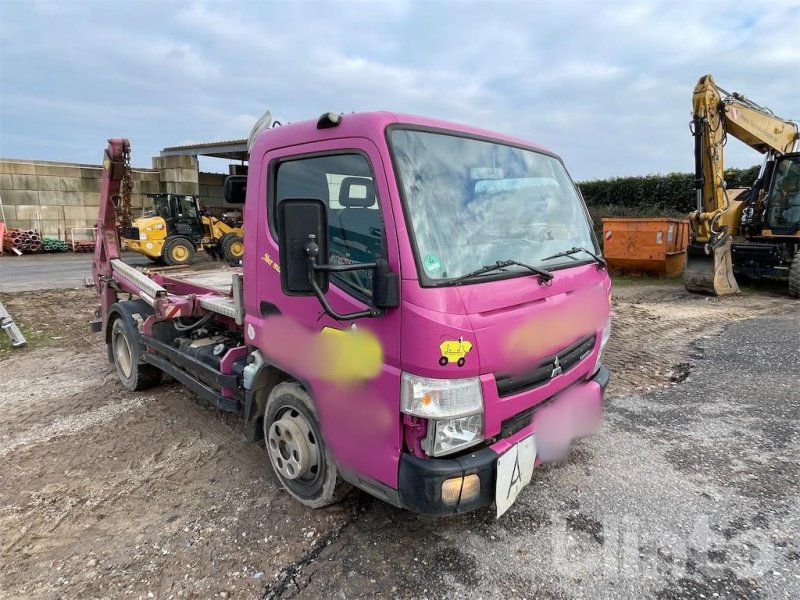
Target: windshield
x,y
473,202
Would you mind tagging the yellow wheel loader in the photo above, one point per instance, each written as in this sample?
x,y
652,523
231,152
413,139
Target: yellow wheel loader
x,y
752,232
175,229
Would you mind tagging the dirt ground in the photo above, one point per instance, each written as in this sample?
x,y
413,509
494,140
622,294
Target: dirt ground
x,y
108,493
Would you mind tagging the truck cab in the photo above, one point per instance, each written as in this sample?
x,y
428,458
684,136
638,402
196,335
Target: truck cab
x,y
457,364
421,311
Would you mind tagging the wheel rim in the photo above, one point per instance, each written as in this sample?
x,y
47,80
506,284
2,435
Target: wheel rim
x,y
237,249
122,354
293,446
179,253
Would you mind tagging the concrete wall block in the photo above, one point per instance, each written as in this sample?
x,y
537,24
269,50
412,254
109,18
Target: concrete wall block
x,y
28,182
89,185
91,199
91,173
32,213
212,178
18,168
10,213
175,162
189,175
46,183
216,191
58,198
57,170
145,175
6,182
52,227
151,187
83,213
20,197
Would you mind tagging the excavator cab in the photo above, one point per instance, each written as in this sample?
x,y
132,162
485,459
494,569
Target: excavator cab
x,y
783,198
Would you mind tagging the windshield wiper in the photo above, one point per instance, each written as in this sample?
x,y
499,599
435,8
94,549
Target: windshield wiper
x,y
600,260
501,265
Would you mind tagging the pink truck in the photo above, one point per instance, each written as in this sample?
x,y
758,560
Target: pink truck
x,y
421,310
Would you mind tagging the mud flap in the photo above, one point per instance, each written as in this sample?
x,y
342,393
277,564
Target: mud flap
x,y
710,273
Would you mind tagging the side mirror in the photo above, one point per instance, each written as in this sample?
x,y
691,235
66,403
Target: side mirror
x,y
299,220
235,189
385,286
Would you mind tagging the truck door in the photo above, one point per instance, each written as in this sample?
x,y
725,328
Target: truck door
x,y
360,419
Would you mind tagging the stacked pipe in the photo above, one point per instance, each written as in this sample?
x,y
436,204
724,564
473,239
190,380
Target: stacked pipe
x,y
84,247
51,244
24,241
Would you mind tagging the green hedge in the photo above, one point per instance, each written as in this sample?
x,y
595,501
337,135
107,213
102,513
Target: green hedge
x,y
654,195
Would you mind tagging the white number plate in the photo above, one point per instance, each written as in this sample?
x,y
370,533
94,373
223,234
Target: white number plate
x,y
514,472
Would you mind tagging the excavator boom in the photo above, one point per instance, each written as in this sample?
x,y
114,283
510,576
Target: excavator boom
x,y
717,113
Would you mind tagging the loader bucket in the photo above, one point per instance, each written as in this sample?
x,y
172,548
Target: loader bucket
x,y
710,273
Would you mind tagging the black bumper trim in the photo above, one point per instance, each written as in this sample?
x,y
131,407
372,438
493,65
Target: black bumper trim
x,y
602,377
420,481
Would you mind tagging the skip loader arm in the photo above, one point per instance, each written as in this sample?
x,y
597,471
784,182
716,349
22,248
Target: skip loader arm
x,y
716,113
116,169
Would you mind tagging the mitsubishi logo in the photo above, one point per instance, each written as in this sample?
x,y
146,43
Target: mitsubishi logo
x,y
557,370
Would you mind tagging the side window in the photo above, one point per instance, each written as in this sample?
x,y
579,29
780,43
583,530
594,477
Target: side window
x,y
344,182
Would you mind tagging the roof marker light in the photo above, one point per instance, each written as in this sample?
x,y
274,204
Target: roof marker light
x,y
328,120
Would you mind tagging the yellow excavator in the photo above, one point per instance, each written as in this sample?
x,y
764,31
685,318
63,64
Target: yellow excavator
x,y
176,228
752,232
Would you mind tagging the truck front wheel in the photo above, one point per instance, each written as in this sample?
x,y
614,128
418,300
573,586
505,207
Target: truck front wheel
x,y
299,456
124,349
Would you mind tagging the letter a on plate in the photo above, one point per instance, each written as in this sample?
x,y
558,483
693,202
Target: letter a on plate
x,y
514,472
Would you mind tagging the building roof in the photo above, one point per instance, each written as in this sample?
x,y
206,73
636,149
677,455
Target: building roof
x,y
230,149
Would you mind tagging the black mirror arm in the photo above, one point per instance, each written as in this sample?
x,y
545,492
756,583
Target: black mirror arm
x,y
313,267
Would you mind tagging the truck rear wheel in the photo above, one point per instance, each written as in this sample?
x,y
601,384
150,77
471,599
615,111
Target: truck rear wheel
x,y
125,352
232,247
299,456
178,251
794,276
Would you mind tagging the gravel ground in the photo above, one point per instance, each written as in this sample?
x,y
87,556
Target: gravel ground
x,y
688,490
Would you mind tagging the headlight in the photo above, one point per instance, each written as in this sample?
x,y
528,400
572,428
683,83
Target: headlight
x,y
440,398
451,435
453,407
142,235
603,341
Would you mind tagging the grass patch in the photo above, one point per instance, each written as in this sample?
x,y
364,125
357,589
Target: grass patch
x,y
36,338
626,280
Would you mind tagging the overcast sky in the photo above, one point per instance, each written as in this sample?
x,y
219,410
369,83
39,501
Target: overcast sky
x,y
605,84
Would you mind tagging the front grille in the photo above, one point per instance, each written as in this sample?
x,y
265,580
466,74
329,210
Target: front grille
x,y
130,233
508,385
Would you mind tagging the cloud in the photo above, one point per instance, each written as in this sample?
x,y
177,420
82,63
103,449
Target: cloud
x,y
608,86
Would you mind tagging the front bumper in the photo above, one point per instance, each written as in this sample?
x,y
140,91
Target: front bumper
x,y
420,480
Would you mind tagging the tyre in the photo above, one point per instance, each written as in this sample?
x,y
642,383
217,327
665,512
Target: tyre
x,y
299,456
794,276
178,251
125,348
232,247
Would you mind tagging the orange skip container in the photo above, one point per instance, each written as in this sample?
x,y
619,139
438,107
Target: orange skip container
x,y
655,246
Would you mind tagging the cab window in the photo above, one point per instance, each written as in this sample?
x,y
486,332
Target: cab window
x,y
345,184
